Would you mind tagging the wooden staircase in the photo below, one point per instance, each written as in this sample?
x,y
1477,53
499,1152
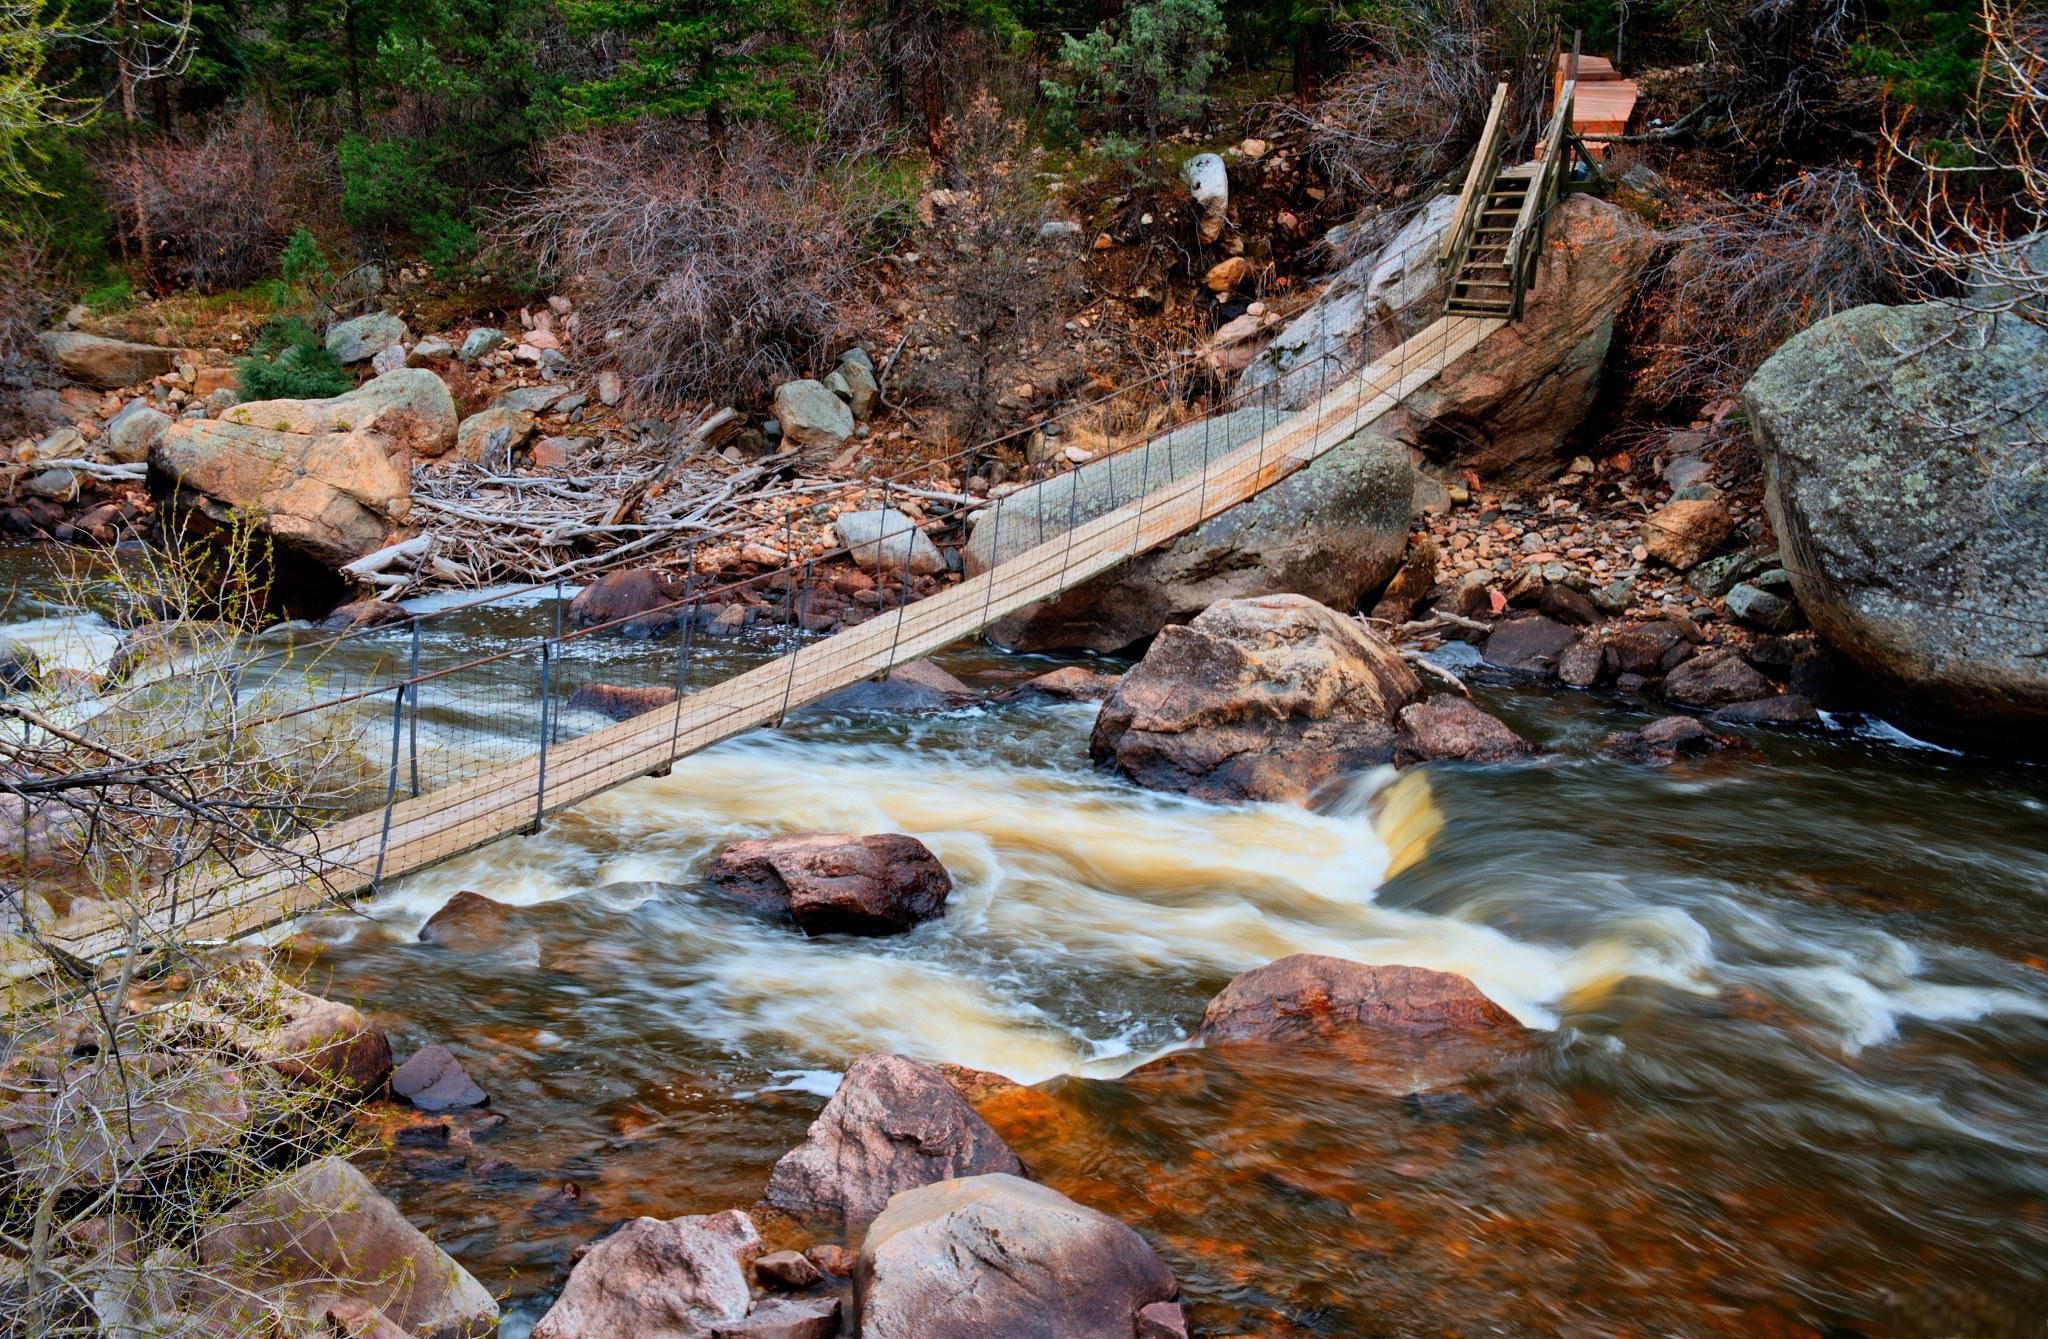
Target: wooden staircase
x,y
1484,282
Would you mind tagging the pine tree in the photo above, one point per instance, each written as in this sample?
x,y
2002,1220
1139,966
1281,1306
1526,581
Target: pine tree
x,y
718,60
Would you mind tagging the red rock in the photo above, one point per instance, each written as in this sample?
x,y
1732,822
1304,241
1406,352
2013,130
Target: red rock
x,y
998,1256
1308,996
1716,678
1162,1320
320,1043
1530,645
1071,683
924,674
832,883
834,1260
785,1318
367,613
1647,649
1448,728
321,1235
470,922
787,1270
893,1125
1784,709
1684,534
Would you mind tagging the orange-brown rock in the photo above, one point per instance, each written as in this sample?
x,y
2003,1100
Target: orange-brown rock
x,y
834,883
637,602
619,701
1448,728
1309,997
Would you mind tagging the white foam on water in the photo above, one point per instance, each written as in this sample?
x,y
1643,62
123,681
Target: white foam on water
x,y
68,641
496,597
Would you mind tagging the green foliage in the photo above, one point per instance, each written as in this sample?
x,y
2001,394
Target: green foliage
x,y
721,60
29,100
112,296
67,215
447,244
1150,75
288,361
386,184
1929,53
302,263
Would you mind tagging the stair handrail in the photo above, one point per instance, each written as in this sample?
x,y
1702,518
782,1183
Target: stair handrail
x,y
1478,181
1525,241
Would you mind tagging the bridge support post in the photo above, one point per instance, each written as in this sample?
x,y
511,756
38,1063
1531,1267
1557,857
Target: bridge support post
x,y
390,790
547,699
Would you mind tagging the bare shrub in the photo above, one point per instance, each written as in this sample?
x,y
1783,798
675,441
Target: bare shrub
x,y
700,270
1001,287
149,1089
1971,211
1416,97
1746,274
220,208
24,305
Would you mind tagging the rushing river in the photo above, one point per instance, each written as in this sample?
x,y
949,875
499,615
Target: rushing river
x,y
1789,1073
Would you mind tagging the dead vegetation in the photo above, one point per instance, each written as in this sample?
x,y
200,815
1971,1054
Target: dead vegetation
x,y
701,271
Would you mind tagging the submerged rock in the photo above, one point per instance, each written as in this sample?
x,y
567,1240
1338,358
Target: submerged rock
x,y
434,1080
996,1255
1261,699
1909,506
1664,740
832,883
893,1125
1308,997
636,602
619,701
655,1279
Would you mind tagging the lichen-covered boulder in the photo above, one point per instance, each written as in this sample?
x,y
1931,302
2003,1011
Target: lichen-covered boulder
x,y
1901,451
655,1279
1262,699
1333,531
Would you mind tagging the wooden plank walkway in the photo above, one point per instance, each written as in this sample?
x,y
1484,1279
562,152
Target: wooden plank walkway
x,y
503,800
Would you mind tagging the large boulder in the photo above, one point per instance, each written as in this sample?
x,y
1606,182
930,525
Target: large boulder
x,y
1334,531
1901,451
835,883
885,540
1310,998
324,1232
996,1255
1507,407
410,408
107,363
813,419
658,1280
364,337
329,480
1261,699
1450,729
82,1125
893,1125
1373,304
133,431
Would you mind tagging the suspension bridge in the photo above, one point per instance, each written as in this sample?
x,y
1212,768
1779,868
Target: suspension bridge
x,y
1488,261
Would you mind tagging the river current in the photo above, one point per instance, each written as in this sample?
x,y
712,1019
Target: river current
x,y
1788,1073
